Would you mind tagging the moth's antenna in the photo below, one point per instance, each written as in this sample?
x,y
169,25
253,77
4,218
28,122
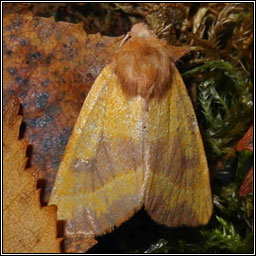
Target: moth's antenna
x,y
125,39
164,29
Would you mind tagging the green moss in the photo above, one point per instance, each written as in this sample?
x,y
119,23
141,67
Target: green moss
x,y
225,102
224,237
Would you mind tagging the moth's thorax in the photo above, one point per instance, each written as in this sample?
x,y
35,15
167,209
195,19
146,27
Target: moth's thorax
x,y
143,66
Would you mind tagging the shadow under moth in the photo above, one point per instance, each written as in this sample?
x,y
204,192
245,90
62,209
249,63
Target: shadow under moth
x,y
136,143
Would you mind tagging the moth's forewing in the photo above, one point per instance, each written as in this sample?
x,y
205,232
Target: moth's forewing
x,y
99,181
178,188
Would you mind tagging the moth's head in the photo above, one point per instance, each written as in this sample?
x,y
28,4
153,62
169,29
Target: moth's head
x,y
141,30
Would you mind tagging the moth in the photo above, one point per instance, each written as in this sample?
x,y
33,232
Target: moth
x,y
136,143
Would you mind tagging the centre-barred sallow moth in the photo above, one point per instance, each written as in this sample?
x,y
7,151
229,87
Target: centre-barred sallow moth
x,y
136,143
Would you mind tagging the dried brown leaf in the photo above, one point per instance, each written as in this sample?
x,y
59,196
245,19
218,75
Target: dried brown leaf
x,y
27,227
246,143
50,66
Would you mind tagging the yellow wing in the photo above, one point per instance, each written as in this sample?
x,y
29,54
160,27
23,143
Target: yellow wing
x,y
177,178
99,181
